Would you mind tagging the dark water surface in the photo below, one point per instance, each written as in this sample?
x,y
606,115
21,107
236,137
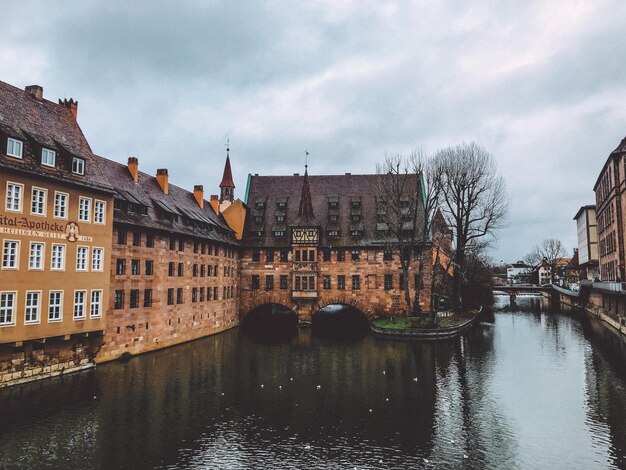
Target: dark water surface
x,y
534,390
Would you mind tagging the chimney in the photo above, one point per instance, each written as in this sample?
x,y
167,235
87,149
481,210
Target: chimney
x,y
215,203
35,90
71,105
161,178
198,193
133,168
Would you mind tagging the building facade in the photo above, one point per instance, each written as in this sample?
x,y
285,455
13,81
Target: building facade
x,y
587,235
56,213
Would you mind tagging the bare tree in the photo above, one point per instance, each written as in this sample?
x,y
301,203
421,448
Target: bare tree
x,y
475,202
550,250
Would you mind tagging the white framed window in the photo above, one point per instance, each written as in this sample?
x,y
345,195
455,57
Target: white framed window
x,y
82,254
10,254
78,166
57,259
14,197
99,211
96,304
38,201
55,306
7,308
14,148
33,304
79,304
84,209
96,259
60,205
35,257
48,157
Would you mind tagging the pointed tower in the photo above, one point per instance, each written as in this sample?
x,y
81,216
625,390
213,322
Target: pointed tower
x,y
227,186
305,211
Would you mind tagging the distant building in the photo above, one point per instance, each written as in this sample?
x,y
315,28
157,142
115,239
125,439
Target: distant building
x,y
518,272
587,233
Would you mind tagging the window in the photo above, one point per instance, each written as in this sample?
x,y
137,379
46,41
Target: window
x,y
356,282
31,311
256,255
55,305
341,282
283,281
269,282
96,259
79,304
326,254
121,237
194,294
136,238
48,157
14,197
82,254
280,218
387,256
297,285
99,211
172,243
119,299
134,298
14,148
201,294
150,240
215,293
7,308
202,270
35,258
78,166
170,296
255,281
181,245
401,282
38,202
333,233
269,256
341,255
284,255
10,254
332,217
326,282
147,298
209,294
96,304
60,205
84,210
149,267
181,268
195,247
356,255
194,270
120,267
134,267
179,295
171,268
388,281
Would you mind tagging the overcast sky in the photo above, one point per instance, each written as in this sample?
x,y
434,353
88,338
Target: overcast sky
x,y
540,84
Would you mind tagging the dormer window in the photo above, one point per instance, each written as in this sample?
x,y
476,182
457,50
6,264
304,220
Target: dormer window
x,y
14,148
356,217
281,205
280,218
78,166
332,217
48,157
333,233
258,219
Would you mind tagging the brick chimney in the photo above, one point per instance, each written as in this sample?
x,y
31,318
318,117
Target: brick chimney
x,y
71,105
162,178
133,168
215,203
198,193
35,90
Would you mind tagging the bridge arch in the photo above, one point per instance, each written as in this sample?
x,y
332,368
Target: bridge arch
x,y
340,320
271,318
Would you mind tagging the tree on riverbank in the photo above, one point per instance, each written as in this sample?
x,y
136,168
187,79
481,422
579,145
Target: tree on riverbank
x,y
551,250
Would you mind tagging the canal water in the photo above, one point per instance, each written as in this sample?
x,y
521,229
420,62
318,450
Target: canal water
x,y
535,389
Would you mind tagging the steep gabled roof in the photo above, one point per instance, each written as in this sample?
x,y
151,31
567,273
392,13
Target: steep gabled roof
x,y
227,178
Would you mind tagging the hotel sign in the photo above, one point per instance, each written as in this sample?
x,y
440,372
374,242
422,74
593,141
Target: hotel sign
x,y
41,229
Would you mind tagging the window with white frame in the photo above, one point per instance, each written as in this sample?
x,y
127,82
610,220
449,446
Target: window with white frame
x,y
14,148
48,157
96,259
57,259
55,305
96,303
38,202
78,166
31,312
35,257
10,254
79,304
99,209
14,197
84,209
82,253
7,308
60,205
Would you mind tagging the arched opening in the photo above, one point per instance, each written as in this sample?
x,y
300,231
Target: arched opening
x,y
271,321
340,321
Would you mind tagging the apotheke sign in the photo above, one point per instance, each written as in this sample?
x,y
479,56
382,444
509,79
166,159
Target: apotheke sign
x,y
41,229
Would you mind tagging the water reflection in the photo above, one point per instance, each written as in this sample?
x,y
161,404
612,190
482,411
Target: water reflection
x,y
532,390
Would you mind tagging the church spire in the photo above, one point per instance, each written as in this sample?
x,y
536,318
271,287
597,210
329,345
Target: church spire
x,y
305,211
227,186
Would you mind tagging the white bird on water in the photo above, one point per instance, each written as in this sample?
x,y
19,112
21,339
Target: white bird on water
x,y
370,410
384,372
280,387
262,385
414,379
319,387
291,378
386,399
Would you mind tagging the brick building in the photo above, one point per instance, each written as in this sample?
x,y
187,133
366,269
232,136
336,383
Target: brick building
x,y
56,214
311,241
